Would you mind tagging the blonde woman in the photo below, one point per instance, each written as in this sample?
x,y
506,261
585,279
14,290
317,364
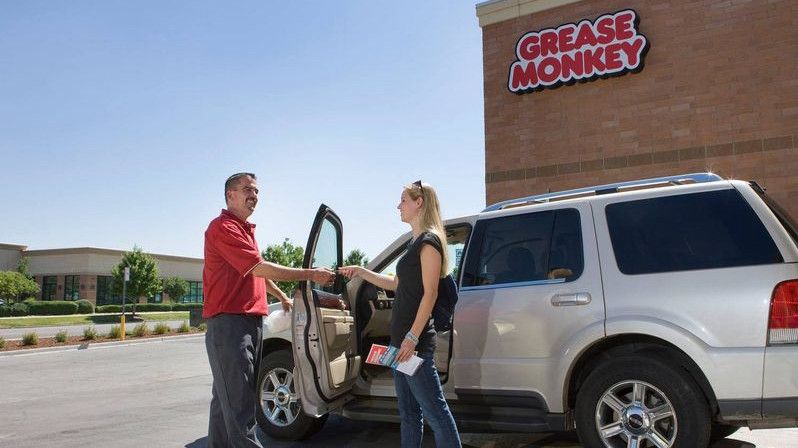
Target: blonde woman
x,y
416,286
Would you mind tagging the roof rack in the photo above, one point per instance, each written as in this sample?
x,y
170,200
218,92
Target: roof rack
x,y
605,189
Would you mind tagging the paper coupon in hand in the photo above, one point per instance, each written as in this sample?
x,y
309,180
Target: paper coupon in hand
x,y
382,355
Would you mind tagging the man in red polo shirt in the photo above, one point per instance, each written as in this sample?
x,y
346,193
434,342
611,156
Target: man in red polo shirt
x,y
235,283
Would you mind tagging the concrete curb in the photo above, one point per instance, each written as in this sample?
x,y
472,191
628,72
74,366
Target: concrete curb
x,y
96,345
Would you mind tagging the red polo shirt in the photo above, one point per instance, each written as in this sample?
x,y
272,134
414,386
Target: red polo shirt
x,y
231,253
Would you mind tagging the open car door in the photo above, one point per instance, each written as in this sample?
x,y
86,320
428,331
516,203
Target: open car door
x,y
324,345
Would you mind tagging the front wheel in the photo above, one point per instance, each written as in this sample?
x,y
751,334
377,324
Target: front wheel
x,y
641,402
279,408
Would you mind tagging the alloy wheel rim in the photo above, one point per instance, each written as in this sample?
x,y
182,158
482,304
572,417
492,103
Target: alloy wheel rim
x,y
279,400
635,414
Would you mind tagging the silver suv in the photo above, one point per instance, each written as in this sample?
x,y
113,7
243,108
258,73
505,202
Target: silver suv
x,y
653,313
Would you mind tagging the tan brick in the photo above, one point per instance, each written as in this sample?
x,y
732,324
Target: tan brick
x,y
774,143
696,152
547,171
568,168
746,147
693,92
665,156
724,149
592,165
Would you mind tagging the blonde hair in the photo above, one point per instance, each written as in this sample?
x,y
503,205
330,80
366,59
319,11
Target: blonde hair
x,y
430,217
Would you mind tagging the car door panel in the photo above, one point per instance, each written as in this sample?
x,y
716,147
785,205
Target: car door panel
x,y
513,336
324,348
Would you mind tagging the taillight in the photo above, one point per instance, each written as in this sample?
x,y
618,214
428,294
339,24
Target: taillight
x,y
783,323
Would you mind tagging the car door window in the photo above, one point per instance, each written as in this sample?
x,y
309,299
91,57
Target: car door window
x,y
326,254
526,248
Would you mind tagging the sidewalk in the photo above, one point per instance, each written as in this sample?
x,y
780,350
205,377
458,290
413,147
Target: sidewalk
x,y
10,334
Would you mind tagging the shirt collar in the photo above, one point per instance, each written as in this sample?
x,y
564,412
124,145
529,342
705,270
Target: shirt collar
x,y
229,214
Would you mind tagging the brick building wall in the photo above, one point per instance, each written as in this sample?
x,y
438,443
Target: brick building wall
x,y
718,92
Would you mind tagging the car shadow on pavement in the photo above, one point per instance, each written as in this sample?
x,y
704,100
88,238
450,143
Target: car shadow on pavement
x,y
199,443
731,443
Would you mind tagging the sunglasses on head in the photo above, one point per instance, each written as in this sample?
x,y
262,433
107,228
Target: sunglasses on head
x,y
418,184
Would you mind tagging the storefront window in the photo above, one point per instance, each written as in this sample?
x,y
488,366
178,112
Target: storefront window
x,y
71,287
48,287
194,293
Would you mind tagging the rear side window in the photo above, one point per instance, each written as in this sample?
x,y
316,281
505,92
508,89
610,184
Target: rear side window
x,y
716,229
525,248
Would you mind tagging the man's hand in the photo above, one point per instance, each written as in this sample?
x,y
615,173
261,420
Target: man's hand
x,y
324,276
287,304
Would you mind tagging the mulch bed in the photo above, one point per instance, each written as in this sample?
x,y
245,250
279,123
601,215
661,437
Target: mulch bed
x,y
78,340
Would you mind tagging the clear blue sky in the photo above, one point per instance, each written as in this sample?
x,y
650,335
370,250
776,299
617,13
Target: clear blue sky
x,y
120,120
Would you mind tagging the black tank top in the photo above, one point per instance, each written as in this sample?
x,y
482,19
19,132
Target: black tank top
x,y
409,292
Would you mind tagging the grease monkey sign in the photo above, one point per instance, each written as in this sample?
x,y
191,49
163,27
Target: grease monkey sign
x,y
609,46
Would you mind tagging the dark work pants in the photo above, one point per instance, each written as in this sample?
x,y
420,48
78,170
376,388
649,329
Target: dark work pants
x,y
234,343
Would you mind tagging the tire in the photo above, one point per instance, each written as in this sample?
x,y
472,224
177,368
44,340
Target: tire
x,y
721,431
668,408
279,411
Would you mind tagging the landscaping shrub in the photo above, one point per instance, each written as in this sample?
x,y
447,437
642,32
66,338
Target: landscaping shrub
x,y
61,336
184,328
90,333
186,306
115,332
30,338
161,328
2,343
85,307
116,308
202,327
140,330
108,309
52,307
142,307
17,309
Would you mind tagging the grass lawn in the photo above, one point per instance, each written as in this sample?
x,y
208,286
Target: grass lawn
x,y
82,319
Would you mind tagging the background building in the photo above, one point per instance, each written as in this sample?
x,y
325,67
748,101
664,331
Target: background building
x,y
717,90
85,272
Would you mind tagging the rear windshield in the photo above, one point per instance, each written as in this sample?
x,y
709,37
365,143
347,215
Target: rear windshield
x,y
708,230
784,218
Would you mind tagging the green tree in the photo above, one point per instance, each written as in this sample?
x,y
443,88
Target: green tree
x,y
23,267
144,280
176,287
356,257
285,254
14,286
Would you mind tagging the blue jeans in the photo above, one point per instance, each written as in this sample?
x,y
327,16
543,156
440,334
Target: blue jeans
x,y
421,398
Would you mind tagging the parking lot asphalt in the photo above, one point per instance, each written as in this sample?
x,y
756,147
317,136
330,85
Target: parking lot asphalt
x,y
156,394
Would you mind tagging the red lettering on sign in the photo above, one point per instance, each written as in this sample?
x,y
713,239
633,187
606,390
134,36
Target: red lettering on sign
x,y
606,32
528,48
548,43
610,45
623,25
566,38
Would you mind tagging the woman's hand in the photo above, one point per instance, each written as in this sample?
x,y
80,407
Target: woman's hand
x,y
287,304
406,350
350,272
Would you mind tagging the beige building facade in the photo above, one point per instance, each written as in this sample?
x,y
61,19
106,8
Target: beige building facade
x,y
588,92
85,272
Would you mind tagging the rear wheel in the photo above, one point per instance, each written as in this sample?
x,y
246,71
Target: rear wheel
x,y
641,402
279,408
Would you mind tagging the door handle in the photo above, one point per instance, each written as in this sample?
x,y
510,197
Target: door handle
x,y
579,298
